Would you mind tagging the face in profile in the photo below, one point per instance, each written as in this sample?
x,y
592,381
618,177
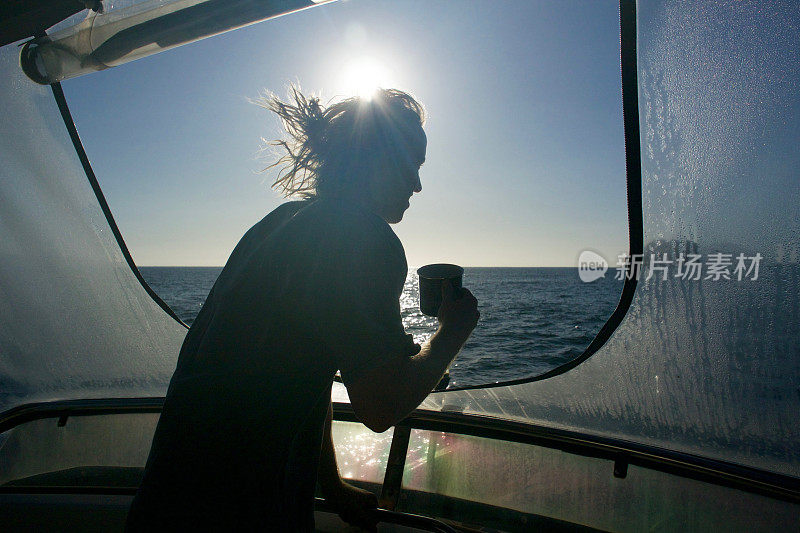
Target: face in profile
x,y
397,176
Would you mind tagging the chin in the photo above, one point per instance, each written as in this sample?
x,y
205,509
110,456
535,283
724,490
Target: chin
x,y
394,217
394,214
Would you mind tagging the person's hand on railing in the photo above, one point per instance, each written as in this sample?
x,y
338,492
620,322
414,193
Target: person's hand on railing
x,y
354,505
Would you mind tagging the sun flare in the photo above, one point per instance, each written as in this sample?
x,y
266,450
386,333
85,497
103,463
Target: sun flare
x,y
364,75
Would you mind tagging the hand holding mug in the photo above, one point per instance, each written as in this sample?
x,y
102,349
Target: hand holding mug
x,y
458,314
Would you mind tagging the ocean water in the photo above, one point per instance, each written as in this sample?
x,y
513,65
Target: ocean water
x,y
532,319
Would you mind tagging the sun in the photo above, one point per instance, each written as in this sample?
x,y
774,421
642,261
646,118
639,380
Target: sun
x,y
362,76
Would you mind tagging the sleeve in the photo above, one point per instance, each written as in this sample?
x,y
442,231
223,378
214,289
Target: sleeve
x,y
363,327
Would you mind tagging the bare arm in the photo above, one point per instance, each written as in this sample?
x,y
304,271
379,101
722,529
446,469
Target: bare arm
x,y
328,475
354,505
383,396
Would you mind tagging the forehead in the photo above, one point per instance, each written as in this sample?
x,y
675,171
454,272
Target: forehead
x,y
414,138
418,142
409,137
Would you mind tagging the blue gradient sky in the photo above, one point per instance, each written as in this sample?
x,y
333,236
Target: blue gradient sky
x,y
525,163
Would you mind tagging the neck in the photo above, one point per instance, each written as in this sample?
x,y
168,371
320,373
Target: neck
x,y
352,204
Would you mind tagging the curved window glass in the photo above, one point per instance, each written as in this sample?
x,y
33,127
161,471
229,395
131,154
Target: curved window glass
x,y
524,178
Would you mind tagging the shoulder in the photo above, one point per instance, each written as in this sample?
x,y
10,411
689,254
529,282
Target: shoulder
x,y
282,213
351,234
261,230
357,223
274,219
367,231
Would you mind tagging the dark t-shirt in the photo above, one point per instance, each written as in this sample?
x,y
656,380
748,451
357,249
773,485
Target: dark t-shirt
x,y
312,288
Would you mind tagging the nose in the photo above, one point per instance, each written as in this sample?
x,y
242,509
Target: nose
x,y
418,185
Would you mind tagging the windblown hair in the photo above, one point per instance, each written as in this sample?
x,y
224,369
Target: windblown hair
x,y
333,151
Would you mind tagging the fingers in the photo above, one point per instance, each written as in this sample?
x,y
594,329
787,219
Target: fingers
x,y
357,508
363,518
447,290
468,297
467,300
459,311
371,501
465,297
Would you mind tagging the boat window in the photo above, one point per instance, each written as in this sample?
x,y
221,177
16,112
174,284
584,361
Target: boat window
x,y
111,451
524,176
483,481
104,450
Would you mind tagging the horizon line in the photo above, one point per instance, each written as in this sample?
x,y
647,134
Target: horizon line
x,y
409,267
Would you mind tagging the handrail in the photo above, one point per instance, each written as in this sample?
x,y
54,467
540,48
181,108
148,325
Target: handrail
x,y
320,504
394,517
621,452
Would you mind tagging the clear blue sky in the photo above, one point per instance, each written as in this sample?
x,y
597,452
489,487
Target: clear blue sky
x,y
525,163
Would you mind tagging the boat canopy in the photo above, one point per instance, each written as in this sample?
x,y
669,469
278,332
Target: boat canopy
x,y
707,366
140,29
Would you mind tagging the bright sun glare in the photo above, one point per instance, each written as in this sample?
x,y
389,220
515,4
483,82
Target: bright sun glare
x,y
364,75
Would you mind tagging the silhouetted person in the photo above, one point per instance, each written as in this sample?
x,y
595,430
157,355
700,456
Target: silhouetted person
x,y
312,288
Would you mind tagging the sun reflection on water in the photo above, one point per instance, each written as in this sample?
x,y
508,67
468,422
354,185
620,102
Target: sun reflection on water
x,y
422,327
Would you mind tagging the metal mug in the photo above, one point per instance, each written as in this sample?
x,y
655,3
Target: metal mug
x,y
430,285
